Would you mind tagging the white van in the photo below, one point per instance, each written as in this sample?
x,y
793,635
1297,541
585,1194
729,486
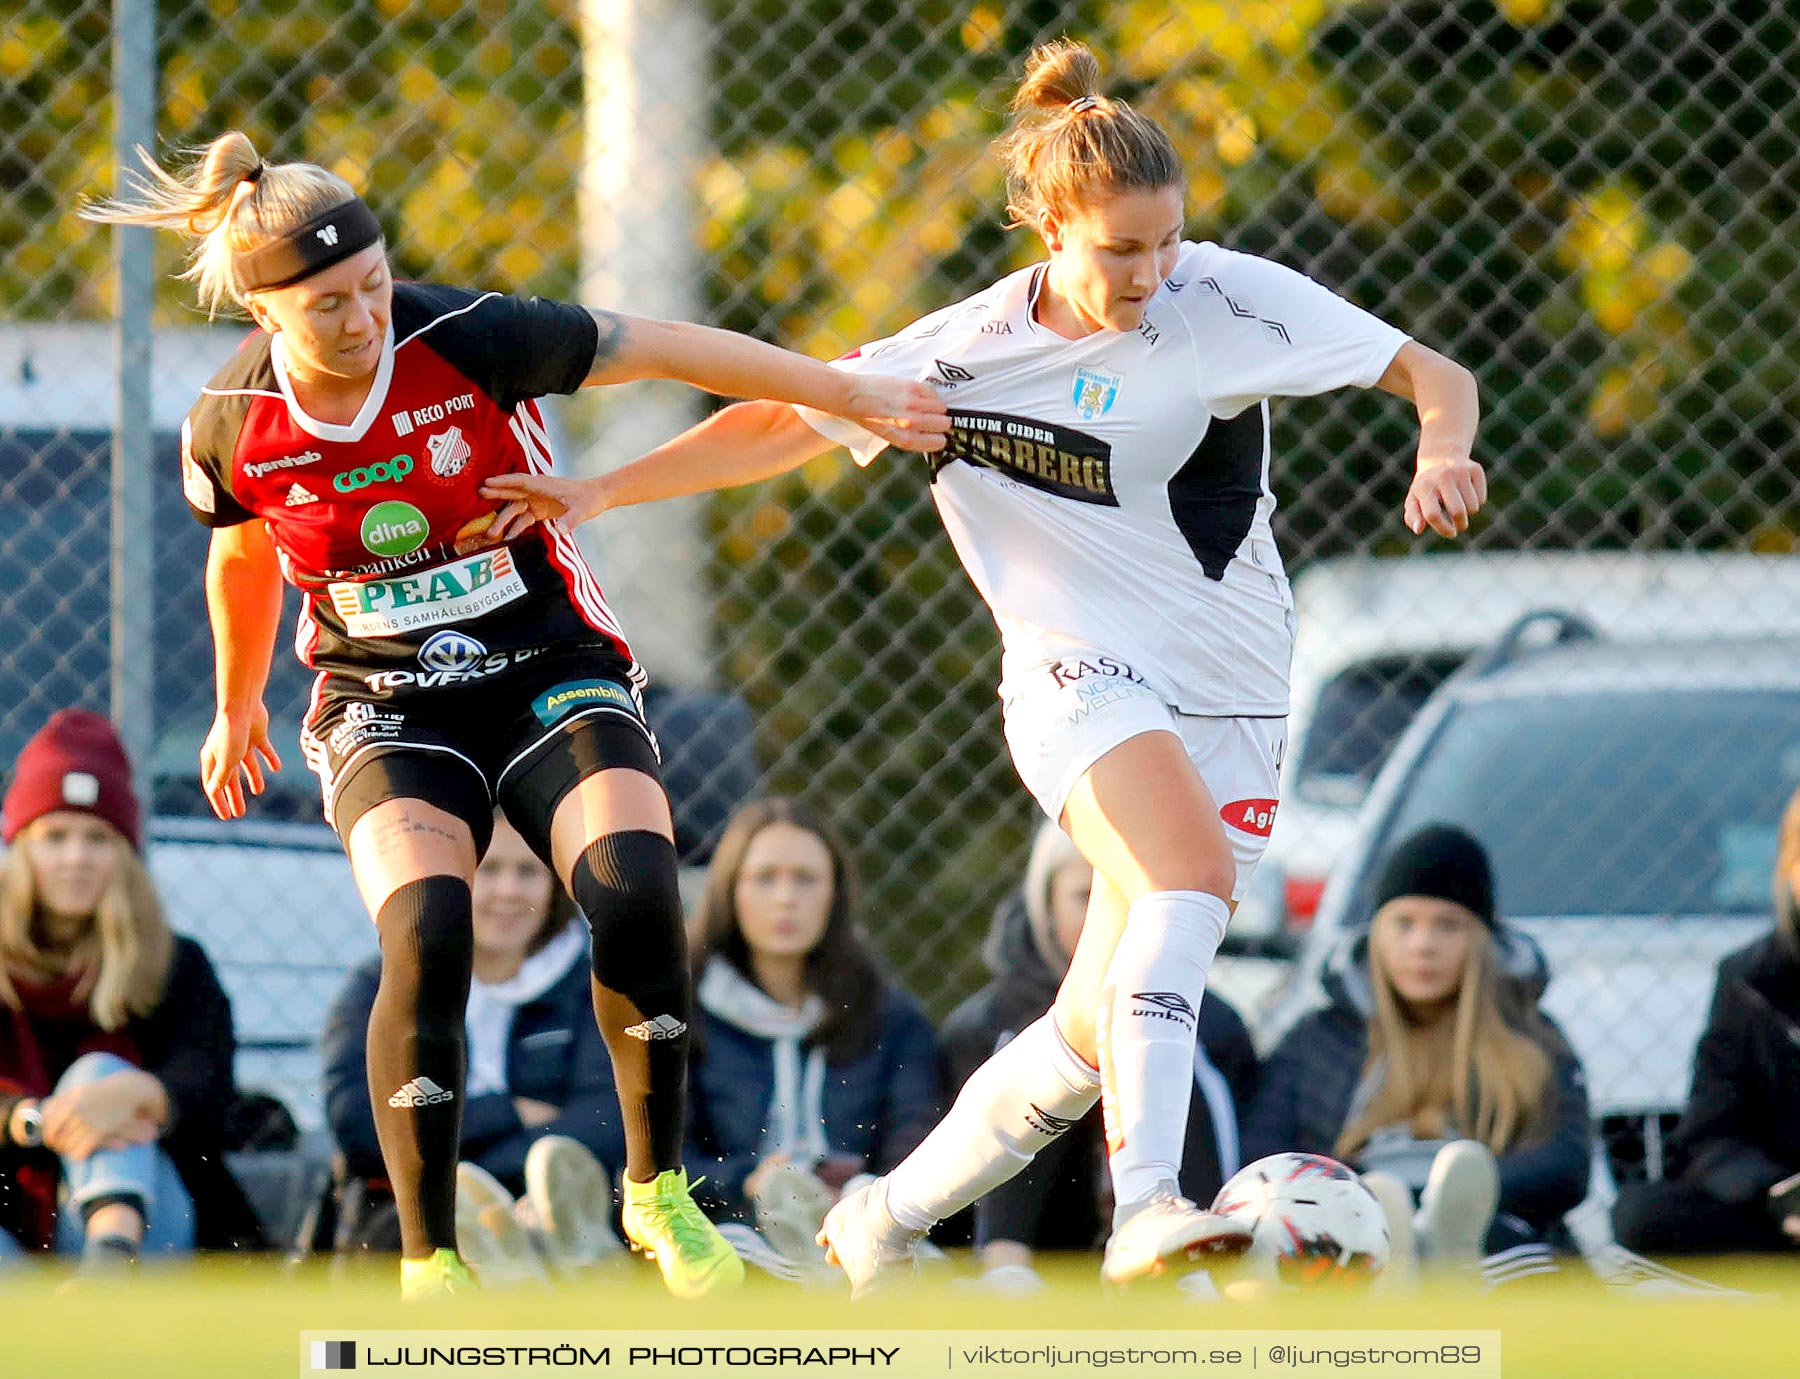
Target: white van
x,y
1376,637
1629,795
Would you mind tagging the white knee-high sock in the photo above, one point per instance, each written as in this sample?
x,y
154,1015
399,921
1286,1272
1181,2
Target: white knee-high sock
x,y
1028,1092
1149,1011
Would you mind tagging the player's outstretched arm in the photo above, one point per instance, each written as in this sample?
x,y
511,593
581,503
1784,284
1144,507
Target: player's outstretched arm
x,y
1449,487
901,411
243,601
741,444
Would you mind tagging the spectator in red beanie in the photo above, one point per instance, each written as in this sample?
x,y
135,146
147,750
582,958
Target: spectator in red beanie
x,y
74,764
115,1036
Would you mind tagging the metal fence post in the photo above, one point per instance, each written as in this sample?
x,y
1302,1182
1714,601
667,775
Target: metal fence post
x,y
133,595
644,72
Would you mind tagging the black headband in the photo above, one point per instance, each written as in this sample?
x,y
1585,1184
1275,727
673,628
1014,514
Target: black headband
x,y
347,228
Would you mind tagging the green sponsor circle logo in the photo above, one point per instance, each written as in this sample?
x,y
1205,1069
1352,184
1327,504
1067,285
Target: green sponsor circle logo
x,y
394,528
552,704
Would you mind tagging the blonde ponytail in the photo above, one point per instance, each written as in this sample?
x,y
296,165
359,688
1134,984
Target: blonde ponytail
x,y
229,200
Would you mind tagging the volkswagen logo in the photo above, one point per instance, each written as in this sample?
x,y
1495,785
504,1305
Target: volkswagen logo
x,y
451,651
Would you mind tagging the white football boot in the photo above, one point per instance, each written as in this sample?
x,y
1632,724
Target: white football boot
x,y
863,1240
1166,1231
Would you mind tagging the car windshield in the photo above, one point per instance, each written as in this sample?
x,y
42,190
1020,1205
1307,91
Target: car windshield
x,y
1636,802
1360,714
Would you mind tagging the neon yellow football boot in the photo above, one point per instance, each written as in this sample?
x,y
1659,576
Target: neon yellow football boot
x,y
661,1220
440,1274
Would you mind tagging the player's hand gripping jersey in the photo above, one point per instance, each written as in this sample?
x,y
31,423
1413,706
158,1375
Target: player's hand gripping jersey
x,y
381,523
1112,493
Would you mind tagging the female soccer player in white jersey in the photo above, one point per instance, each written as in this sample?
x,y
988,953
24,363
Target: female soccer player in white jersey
x,y
344,447
1106,485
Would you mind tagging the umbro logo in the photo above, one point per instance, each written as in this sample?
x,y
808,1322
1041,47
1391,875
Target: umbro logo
x,y
329,234
1046,1123
1166,1005
657,1027
952,374
299,495
421,1091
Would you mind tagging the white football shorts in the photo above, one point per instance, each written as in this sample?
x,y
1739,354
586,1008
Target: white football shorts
x,y
1063,715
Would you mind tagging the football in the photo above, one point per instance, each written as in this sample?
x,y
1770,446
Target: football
x,y
1314,1221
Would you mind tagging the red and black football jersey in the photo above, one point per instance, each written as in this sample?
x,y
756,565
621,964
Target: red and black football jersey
x,y
381,522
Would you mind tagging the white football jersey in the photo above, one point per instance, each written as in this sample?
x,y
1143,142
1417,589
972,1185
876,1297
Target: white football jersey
x,y
1113,492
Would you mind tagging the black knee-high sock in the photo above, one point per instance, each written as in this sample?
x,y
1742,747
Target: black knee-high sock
x,y
416,1053
625,883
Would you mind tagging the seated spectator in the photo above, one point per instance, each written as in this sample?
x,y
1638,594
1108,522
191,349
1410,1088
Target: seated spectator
x,y
1431,1070
809,1069
1740,1135
539,1079
1061,1201
116,1042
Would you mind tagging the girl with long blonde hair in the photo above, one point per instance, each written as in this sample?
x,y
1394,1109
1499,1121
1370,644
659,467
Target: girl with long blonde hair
x,y
1454,1060
115,1036
121,950
1431,1070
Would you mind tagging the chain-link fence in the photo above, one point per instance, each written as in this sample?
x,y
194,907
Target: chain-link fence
x,y
1591,204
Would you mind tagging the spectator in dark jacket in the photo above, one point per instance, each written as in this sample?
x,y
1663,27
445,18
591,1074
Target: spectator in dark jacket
x,y
536,1064
809,1069
1738,1144
1431,1041
1061,1201
116,1042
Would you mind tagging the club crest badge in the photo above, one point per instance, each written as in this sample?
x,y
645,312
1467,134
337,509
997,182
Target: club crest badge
x,y
1095,392
449,452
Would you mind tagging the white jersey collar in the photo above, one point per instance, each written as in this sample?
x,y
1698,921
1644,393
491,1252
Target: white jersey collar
x,y
1034,279
1033,283
365,417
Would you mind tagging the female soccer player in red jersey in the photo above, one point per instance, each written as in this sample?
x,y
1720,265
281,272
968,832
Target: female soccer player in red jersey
x,y
344,447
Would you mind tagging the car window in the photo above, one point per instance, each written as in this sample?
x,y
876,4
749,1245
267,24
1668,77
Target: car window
x,y
1360,714
1651,802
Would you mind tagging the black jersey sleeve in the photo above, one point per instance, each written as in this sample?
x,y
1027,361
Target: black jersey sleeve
x,y
208,436
513,348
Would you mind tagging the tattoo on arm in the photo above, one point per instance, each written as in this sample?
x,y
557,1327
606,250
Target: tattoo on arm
x,y
612,335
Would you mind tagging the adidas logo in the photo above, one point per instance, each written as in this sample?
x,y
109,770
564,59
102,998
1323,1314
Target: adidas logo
x,y
657,1027
299,494
421,1091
